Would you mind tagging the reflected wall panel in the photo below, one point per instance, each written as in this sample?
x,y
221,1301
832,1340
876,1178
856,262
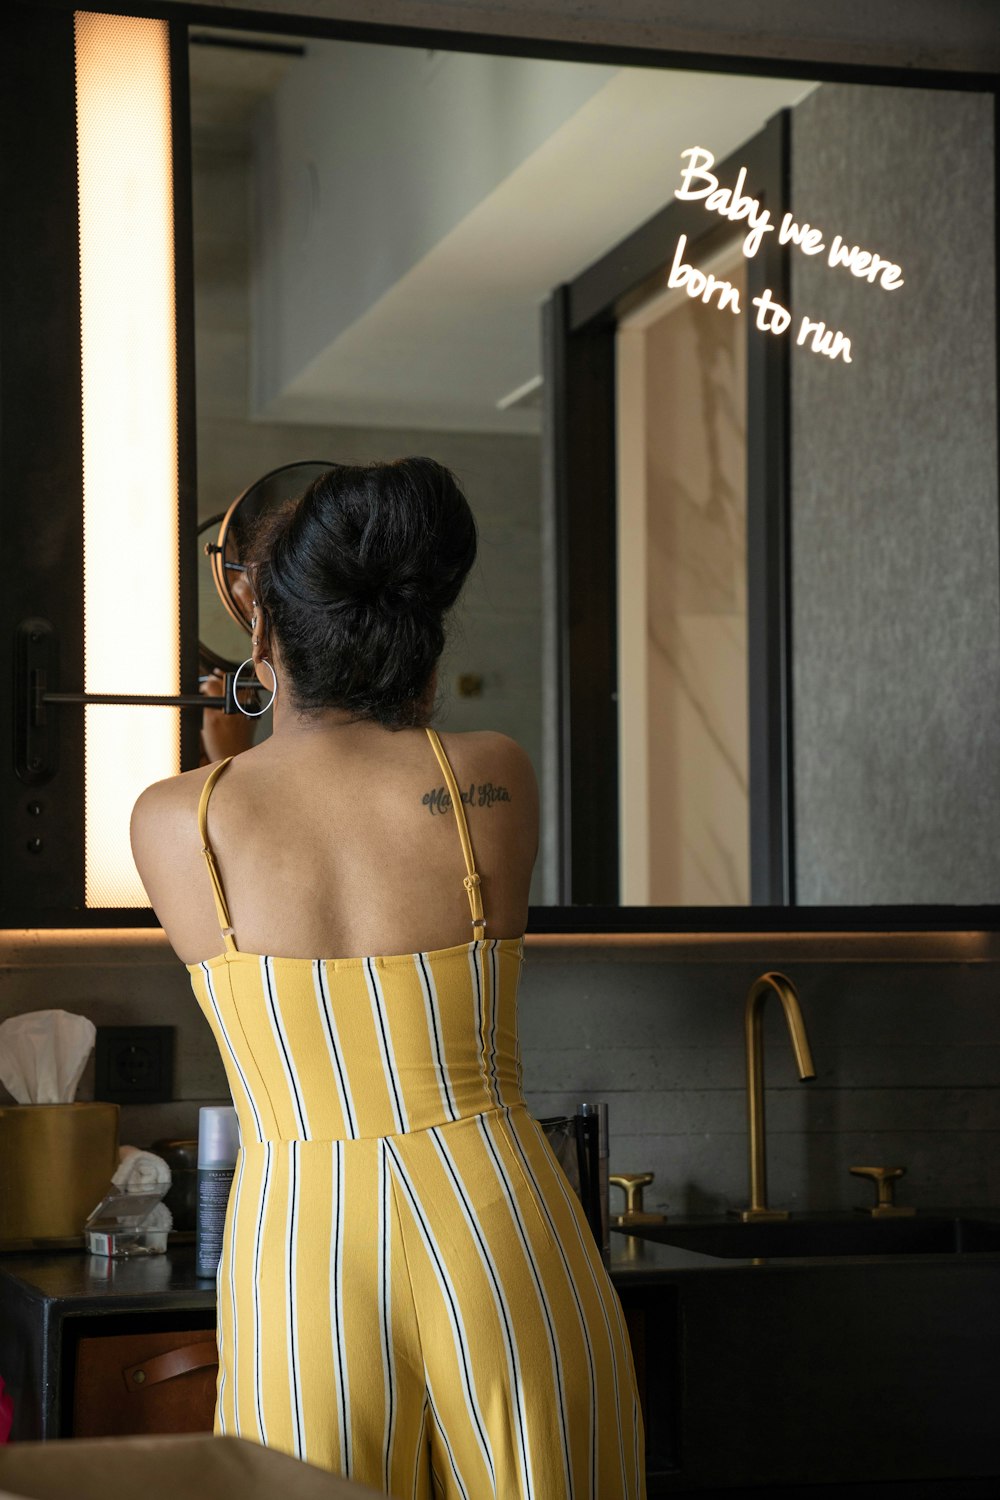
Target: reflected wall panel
x,y
682,600
896,614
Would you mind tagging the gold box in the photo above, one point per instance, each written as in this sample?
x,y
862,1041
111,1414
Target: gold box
x,y
56,1161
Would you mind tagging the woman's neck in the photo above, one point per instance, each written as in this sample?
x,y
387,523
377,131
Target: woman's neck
x,y
288,720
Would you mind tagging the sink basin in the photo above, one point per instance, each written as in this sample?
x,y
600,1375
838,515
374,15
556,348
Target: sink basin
x,y
828,1235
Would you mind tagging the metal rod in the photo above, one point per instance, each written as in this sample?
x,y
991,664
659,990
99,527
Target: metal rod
x,y
137,700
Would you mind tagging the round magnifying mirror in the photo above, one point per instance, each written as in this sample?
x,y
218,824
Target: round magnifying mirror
x,y
224,598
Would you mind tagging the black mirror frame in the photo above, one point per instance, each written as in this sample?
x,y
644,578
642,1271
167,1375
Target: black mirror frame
x,y
45,297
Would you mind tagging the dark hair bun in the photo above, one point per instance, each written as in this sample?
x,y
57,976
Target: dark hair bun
x,y
356,578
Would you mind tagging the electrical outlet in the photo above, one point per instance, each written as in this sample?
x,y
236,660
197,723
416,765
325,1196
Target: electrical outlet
x,y
134,1064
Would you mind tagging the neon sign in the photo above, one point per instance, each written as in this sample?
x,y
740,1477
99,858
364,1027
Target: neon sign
x,y
735,204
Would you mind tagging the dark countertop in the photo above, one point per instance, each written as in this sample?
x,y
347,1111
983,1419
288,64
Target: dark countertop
x,y
942,1237
75,1283
81,1283
78,1282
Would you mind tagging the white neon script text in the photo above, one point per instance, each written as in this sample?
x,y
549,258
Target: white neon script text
x,y
698,181
702,286
731,203
736,205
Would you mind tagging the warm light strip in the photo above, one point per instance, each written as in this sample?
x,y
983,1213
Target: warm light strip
x,y
130,542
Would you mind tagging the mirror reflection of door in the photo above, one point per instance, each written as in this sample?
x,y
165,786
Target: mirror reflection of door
x,y
682,616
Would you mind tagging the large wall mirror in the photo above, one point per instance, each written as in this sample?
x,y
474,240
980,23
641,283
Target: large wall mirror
x,y
714,356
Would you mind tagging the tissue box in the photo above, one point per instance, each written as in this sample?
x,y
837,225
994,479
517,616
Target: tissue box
x,y
56,1161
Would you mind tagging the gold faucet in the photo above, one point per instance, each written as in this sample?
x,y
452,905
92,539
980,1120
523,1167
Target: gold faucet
x,y
786,993
632,1184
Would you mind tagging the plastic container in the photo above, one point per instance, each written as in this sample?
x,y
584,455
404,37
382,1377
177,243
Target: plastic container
x,y
118,1226
218,1144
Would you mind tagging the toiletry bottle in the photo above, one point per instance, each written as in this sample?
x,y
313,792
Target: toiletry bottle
x,y
218,1143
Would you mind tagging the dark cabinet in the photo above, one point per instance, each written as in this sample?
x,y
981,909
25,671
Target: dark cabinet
x,y
651,1318
838,1378
94,1348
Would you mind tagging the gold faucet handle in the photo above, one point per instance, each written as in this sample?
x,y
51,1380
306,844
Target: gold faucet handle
x,y
884,1179
632,1184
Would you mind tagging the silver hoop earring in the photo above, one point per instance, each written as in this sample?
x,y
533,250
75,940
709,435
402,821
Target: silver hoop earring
x,y
257,712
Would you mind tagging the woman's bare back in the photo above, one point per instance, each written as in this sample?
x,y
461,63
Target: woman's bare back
x,y
339,841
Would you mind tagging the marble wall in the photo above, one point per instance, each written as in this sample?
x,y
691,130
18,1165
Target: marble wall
x,y
683,643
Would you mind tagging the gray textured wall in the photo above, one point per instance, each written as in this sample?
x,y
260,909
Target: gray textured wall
x,y
907,1059
906,1039
896,609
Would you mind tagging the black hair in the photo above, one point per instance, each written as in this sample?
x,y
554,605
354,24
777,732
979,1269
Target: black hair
x,y
355,580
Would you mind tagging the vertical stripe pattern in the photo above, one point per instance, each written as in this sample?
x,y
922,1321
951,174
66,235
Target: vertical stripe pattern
x,y
408,1287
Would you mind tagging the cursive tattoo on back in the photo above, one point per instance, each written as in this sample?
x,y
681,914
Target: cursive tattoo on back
x,y
477,794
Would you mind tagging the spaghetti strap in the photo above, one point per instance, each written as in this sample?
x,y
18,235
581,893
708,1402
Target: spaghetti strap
x,y
472,882
221,905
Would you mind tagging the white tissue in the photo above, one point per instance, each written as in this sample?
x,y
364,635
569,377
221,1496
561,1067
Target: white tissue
x,y
42,1055
156,1226
138,1170
141,1172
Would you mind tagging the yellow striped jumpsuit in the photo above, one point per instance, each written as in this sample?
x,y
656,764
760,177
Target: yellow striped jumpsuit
x,y
409,1293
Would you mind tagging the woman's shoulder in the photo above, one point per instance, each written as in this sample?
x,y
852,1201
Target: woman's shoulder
x,y
488,753
174,791
485,742
166,803
495,774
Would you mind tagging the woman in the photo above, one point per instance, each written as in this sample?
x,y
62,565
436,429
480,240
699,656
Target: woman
x,y
409,1293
